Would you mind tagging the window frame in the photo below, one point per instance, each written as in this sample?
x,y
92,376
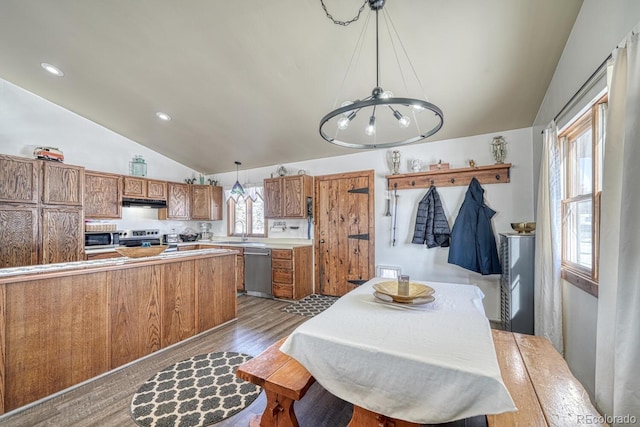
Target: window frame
x,y
231,219
594,118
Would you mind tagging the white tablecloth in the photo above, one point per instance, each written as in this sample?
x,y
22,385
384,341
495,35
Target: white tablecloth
x,y
432,365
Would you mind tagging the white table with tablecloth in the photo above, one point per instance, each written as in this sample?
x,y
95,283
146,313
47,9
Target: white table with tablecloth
x,y
431,363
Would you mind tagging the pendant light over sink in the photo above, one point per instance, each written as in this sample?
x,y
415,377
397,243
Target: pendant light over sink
x,y
237,189
380,120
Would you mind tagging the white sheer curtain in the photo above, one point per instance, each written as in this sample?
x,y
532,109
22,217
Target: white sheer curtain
x,y
548,285
618,332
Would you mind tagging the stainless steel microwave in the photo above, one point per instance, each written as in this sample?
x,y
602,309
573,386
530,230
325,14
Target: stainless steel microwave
x,y
101,239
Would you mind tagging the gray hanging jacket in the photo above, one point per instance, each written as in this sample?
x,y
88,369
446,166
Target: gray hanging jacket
x,y
431,222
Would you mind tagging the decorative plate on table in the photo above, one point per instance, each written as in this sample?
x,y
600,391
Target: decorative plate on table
x,y
390,288
425,299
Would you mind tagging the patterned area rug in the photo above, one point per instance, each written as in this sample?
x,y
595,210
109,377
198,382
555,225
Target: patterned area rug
x,y
311,305
199,391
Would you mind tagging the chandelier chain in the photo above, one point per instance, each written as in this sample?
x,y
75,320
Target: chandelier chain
x,y
343,23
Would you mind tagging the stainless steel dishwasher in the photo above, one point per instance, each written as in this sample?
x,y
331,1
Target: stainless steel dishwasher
x,y
257,272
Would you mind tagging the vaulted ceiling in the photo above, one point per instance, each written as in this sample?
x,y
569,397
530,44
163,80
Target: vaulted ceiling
x,y
250,80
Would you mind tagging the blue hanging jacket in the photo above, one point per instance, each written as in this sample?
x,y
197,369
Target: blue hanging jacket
x,y
473,244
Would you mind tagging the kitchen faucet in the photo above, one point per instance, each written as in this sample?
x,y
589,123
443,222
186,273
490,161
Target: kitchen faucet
x,y
244,229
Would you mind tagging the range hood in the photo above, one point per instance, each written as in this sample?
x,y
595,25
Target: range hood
x,y
128,202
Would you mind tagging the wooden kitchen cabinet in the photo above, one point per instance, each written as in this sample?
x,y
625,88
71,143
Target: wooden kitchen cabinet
x,y
178,202
206,202
19,179
59,330
144,188
18,235
216,304
62,233
216,203
102,195
239,263
291,272
45,228
62,184
135,313
286,196
201,205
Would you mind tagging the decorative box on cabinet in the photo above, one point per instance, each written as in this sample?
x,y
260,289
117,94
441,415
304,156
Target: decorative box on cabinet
x,y
286,196
517,252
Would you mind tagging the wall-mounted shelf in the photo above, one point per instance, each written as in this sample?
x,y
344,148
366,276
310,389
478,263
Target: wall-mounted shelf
x,y
492,174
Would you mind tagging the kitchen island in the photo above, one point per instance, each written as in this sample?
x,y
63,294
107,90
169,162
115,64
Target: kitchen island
x,y
62,324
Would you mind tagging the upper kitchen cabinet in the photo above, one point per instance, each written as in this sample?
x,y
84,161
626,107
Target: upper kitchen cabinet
x,y
286,196
19,178
206,202
102,195
62,184
143,188
178,202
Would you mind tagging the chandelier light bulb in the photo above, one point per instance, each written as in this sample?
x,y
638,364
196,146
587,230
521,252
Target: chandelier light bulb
x,y
371,128
404,122
386,94
343,122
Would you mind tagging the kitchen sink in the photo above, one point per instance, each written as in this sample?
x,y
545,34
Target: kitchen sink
x,y
237,242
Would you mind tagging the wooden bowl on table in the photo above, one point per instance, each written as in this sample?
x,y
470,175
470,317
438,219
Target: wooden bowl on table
x,y
139,251
523,227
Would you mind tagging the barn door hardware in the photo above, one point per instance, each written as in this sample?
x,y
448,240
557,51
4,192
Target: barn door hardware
x,y
364,190
359,236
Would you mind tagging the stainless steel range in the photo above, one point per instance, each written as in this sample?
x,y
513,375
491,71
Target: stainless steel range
x,y
131,238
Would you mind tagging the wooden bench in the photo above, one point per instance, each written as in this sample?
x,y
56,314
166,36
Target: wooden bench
x,y
539,380
537,377
284,381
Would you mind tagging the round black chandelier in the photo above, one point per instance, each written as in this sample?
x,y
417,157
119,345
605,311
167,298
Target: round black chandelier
x,y
380,120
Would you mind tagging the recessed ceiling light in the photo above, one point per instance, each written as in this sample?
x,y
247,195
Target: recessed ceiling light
x,y
163,116
52,69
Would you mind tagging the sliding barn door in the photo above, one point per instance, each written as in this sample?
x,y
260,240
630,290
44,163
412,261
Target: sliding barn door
x,y
344,238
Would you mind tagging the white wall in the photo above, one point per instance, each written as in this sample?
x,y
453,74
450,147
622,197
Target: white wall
x,y
27,121
513,202
599,27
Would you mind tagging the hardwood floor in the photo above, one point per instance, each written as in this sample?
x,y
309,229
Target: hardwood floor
x,y
105,401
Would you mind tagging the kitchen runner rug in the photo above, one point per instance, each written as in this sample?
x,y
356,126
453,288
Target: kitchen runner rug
x,y
311,305
199,391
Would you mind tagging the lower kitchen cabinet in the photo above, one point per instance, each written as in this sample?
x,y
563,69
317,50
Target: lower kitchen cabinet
x,y
18,235
62,234
292,272
239,264
59,330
